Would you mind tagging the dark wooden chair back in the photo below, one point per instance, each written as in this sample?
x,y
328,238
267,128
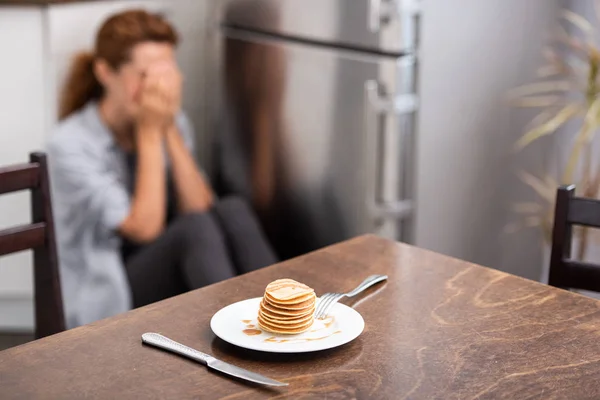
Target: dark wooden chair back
x,y
38,236
565,272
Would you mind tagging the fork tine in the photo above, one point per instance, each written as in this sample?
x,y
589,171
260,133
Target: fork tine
x,y
330,304
325,300
327,304
322,301
322,305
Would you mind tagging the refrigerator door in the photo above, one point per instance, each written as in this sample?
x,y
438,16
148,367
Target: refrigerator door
x,y
310,137
384,26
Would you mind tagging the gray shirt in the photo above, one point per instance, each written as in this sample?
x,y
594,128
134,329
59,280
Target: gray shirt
x,y
90,198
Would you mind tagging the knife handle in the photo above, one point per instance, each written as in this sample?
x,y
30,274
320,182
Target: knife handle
x,y
162,342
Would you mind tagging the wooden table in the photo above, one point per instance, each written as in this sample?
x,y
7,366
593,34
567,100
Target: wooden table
x,y
440,328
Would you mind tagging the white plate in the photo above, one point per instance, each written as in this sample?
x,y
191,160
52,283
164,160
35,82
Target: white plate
x,y
342,326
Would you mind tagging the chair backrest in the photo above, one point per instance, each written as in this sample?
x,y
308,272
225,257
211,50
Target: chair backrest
x,y
565,272
40,237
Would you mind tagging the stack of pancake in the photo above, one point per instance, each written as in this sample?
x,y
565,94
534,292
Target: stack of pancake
x,y
287,307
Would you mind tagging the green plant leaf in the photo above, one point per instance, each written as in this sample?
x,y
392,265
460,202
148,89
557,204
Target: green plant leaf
x,y
577,20
537,101
550,181
541,118
547,225
550,126
543,190
547,71
527,208
595,236
533,221
595,184
541,87
585,135
551,56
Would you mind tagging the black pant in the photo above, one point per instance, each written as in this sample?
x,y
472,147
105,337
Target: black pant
x,y
197,250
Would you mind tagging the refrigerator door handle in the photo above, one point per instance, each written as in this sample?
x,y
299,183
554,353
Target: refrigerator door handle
x,y
382,11
375,106
374,15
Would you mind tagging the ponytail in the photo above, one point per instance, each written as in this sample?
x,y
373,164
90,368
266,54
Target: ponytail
x,y
81,85
114,41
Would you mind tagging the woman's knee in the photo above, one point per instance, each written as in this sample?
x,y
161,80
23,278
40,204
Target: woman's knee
x,y
233,205
197,226
235,210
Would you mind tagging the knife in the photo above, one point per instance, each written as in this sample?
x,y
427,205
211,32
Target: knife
x,y
162,342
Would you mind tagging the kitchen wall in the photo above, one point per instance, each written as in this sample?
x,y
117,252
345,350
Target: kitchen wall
x,y
22,123
472,53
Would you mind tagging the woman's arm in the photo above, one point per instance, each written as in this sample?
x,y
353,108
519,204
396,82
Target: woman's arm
x,y
193,192
146,217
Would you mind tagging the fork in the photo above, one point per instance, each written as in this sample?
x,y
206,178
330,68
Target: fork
x,y
329,299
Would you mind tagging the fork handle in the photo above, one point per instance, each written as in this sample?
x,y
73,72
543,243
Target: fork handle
x,y
367,283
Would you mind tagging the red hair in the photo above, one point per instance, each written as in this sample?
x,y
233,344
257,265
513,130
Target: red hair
x,y
116,38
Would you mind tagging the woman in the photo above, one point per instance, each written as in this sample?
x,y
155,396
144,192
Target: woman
x,y
136,220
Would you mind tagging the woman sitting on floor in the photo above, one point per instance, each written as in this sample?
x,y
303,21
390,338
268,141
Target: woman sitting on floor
x,y
136,220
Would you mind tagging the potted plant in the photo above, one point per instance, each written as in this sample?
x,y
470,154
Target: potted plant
x,y
567,91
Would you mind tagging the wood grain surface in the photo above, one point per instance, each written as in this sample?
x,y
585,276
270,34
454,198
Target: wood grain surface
x,y
440,328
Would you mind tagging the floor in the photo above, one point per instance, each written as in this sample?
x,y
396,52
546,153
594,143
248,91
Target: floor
x,y
8,340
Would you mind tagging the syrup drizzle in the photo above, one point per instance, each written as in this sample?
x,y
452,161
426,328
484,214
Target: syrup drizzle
x,y
327,323
274,339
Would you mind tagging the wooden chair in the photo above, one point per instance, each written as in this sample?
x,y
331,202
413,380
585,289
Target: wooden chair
x,y
39,236
565,272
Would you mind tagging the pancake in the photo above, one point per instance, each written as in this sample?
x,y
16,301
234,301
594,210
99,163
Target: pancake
x,y
292,302
277,313
287,307
285,323
287,290
286,329
307,302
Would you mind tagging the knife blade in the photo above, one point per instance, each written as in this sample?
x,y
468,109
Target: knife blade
x,y
163,342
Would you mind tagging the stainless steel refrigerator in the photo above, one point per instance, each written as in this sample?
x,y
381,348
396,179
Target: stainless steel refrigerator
x,y
317,103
